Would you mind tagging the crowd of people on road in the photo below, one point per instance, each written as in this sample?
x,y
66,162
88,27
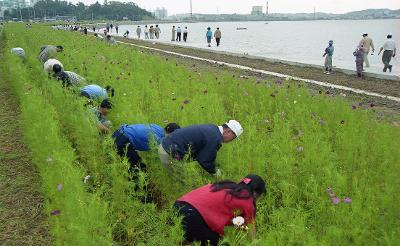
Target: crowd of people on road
x,y
361,53
205,210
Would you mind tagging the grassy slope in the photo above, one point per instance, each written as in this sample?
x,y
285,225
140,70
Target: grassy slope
x,y
301,144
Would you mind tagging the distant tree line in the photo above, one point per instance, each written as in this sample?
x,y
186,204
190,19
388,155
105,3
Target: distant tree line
x,y
96,11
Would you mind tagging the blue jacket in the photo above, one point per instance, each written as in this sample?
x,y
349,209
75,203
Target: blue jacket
x,y
140,135
209,33
200,142
95,92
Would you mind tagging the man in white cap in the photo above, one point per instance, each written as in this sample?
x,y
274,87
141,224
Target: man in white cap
x,y
389,51
367,44
199,142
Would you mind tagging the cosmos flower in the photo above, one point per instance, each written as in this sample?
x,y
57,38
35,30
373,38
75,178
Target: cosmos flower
x,y
238,221
347,200
85,180
59,187
335,200
55,212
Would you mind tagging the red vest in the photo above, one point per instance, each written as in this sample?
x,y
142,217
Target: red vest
x,y
219,208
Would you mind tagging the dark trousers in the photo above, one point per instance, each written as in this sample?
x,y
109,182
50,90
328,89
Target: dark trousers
x,y
185,36
125,148
386,58
178,36
218,40
196,229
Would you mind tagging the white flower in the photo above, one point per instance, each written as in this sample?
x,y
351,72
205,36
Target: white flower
x,y
294,102
238,221
86,179
49,159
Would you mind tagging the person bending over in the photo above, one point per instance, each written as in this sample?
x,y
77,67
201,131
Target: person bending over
x,y
207,210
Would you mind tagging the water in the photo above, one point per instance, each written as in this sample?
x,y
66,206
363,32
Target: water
x,y
298,41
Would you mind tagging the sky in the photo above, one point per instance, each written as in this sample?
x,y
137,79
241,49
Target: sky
x,y
275,6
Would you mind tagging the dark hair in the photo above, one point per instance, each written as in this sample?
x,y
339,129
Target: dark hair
x,y
111,90
63,76
106,103
60,47
389,36
57,68
251,183
171,127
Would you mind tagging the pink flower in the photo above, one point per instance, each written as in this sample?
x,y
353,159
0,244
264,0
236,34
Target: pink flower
x,y
335,200
55,212
347,200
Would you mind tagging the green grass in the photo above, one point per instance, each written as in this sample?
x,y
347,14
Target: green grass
x,y
300,143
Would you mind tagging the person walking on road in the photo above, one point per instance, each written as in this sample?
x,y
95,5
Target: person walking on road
x,y
173,33
138,31
207,210
209,35
368,44
178,34
157,31
359,54
146,32
199,142
218,36
328,57
389,51
185,34
151,32
116,28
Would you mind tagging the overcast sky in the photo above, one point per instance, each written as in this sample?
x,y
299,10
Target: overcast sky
x,y
275,6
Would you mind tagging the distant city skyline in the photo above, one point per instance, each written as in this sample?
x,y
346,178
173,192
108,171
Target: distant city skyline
x,y
245,6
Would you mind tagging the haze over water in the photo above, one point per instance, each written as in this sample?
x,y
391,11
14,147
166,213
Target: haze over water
x,y
298,41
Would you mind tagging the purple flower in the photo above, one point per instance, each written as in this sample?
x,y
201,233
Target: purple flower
x,y
278,82
335,200
59,187
55,212
347,200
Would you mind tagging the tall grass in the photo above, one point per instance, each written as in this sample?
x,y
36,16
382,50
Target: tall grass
x,y
300,143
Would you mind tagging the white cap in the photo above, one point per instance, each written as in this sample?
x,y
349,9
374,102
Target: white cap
x,y
390,34
235,127
365,33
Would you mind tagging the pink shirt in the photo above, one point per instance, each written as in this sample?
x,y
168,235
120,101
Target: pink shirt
x,y
219,208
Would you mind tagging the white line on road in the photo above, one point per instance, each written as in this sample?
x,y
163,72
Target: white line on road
x,y
280,75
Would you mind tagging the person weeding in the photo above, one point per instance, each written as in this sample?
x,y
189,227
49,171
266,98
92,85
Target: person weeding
x,y
359,54
100,113
49,51
18,51
389,51
52,65
207,210
328,57
200,142
110,40
95,92
129,139
68,78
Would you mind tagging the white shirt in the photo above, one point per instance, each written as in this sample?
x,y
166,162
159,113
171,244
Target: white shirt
x,y
221,129
48,65
389,44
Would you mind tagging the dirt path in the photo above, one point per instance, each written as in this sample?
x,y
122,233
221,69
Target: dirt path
x,y
22,221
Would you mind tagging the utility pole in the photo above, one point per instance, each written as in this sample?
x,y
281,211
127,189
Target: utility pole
x,y
267,9
191,9
314,14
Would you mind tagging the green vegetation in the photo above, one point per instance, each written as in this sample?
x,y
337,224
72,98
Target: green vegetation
x,y
300,143
109,11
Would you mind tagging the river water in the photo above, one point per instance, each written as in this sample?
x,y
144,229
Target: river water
x,y
298,41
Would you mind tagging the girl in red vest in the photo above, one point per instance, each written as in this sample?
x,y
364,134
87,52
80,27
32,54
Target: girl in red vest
x,y
207,210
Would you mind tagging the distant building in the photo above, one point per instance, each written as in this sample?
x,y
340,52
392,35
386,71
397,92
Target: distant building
x,y
257,10
161,13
